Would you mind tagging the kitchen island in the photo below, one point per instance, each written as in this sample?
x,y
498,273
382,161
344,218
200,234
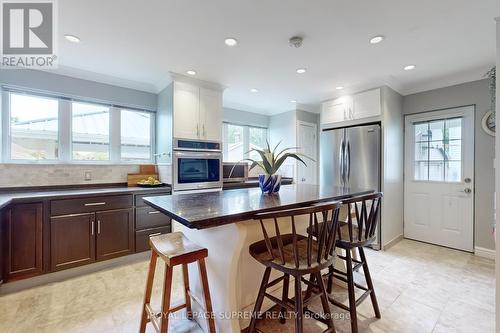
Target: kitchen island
x,y
223,223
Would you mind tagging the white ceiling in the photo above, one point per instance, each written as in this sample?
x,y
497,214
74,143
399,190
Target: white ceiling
x,y
136,43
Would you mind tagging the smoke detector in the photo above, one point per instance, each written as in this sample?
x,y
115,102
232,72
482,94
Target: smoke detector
x,y
295,41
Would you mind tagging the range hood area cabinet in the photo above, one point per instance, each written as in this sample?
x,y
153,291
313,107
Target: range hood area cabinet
x,y
350,108
197,112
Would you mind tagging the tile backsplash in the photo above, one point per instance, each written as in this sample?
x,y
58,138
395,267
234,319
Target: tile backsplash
x,y
14,175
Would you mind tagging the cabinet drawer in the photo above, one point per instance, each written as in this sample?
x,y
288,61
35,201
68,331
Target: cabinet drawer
x,y
89,204
147,217
140,203
142,237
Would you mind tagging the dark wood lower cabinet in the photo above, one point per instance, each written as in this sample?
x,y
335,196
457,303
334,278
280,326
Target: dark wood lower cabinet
x,y
22,241
115,233
72,240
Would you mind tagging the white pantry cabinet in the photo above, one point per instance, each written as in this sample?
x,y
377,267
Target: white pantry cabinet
x,y
197,112
359,106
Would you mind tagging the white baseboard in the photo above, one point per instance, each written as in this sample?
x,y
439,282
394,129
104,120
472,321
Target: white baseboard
x,y
485,253
392,242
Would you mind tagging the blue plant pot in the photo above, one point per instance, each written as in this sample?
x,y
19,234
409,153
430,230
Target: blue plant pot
x,y
269,184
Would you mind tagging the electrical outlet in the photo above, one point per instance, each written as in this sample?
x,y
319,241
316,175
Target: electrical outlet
x,y
87,175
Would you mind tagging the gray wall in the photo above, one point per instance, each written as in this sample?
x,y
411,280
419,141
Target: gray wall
x,y
78,88
245,118
477,93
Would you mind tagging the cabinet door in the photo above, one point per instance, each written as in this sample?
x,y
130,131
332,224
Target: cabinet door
x,y
367,104
186,122
211,114
115,233
72,240
23,241
333,111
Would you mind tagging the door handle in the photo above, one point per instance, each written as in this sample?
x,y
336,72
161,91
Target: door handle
x,y
154,212
341,162
204,130
98,227
94,204
197,130
348,162
467,190
92,228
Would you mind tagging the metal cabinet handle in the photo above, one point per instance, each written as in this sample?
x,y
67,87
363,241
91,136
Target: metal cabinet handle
x,y
94,204
98,227
92,228
156,234
154,212
197,130
204,130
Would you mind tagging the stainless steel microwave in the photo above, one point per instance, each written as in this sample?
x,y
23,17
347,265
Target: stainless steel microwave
x,y
234,172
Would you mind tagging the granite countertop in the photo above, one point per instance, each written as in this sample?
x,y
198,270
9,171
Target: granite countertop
x,y
211,209
252,182
8,196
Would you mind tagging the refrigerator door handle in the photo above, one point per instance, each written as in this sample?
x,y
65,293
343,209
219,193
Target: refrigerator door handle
x,y
348,162
341,162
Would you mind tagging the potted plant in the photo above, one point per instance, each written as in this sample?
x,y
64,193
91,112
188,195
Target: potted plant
x,y
270,162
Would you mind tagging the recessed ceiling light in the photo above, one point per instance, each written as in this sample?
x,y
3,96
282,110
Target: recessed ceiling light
x,y
254,90
191,72
231,41
301,71
339,88
72,38
409,67
293,101
376,39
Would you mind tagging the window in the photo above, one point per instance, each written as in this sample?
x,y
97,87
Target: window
x,y
135,135
240,139
34,131
438,150
90,132
45,128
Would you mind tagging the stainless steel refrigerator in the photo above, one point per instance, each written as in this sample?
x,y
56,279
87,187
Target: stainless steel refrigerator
x,y
350,157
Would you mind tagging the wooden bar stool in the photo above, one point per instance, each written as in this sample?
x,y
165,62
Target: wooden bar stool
x,y
175,249
364,210
297,255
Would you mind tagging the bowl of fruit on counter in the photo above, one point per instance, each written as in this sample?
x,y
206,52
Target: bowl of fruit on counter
x,y
150,182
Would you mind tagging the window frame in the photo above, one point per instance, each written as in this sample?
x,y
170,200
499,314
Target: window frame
x,y
65,134
246,138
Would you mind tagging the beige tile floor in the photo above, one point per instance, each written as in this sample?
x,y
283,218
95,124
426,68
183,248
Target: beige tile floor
x,y
421,288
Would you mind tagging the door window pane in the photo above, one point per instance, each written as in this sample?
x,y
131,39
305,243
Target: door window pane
x,y
135,135
438,150
90,132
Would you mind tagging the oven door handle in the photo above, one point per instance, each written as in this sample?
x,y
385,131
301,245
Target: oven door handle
x,y
180,154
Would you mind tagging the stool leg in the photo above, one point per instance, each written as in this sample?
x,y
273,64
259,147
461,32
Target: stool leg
x,y
330,279
260,299
284,298
299,306
165,302
324,302
149,289
185,273
352,295
206,291
369,282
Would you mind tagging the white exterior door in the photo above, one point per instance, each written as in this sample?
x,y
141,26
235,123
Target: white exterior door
x,y
439,178
307,143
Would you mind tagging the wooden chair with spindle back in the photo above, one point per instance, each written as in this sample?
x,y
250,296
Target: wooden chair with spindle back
x,y
297,255
358,231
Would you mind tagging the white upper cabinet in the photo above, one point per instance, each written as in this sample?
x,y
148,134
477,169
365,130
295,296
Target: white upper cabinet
x,y
197,112
336,110
359,106
211,114
186,110
367,104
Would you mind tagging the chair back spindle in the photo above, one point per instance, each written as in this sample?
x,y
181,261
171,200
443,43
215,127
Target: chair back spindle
x,y
302,251
365,209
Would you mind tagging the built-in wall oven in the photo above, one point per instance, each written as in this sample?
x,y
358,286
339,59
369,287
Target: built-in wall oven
x,y
197,164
